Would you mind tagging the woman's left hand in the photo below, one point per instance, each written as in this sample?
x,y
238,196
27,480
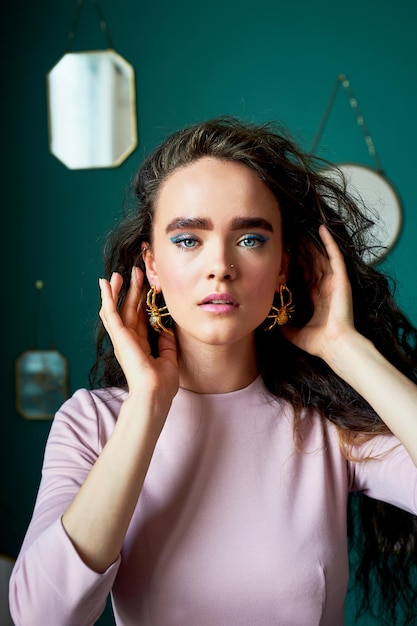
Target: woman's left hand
x,y
332,300
331,335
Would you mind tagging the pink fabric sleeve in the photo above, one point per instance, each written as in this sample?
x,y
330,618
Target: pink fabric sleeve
x,y
389,475
49,578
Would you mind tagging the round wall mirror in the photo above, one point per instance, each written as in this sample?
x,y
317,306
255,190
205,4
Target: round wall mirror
x,y
380,202
92,109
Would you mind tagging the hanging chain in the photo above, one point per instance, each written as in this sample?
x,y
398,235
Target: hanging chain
x,y
41,315
101,19
342,80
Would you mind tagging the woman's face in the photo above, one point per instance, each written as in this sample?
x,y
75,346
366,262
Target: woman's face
x,y
217,251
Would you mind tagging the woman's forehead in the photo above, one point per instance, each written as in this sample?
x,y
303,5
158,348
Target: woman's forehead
x,y
210,187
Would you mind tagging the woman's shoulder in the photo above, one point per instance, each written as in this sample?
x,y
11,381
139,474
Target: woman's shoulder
x,y
95,399
90,413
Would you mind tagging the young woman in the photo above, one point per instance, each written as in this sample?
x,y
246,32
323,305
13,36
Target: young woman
x,y
253,372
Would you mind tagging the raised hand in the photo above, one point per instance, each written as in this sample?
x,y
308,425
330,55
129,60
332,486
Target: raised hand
x,y
128,332
332,299
98,517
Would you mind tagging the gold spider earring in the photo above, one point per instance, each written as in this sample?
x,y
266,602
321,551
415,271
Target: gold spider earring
x,y
156,313
282,315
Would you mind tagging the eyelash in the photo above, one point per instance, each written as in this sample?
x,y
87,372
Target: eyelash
x,y
257,239
181,240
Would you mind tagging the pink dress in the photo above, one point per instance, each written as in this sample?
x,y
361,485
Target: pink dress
x,y
235,526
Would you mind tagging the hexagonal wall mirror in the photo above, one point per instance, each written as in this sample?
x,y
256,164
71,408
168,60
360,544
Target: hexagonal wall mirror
x,y
92,109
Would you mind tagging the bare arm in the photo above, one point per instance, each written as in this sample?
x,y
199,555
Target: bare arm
x,y
331,335
98,518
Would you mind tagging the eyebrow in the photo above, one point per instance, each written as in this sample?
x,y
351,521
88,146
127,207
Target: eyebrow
x,y
251,222
198,223
189,223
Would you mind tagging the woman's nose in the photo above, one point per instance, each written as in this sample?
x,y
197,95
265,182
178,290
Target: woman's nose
x,y
221,268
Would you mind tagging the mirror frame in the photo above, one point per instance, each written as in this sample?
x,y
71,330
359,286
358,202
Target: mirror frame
x,y
378,199
41,383
67,127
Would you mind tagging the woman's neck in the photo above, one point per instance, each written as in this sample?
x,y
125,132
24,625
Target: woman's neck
x,y
217,369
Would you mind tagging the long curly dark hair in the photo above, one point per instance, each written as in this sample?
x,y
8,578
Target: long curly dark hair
x,y
381,537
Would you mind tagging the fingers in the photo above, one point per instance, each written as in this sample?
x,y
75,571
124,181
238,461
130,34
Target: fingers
x,y
331,263
116,282
336,276
110,291
133,300
332,249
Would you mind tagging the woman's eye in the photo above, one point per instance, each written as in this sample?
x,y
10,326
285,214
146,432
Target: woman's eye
x,y
252,241
184,241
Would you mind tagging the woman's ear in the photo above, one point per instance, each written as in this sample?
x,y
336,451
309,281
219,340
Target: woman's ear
x,y
150,266
285,265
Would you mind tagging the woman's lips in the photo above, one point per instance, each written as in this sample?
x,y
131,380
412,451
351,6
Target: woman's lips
x,y
219,303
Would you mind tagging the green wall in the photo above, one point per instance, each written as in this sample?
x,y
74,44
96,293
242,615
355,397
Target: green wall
x,y
263,60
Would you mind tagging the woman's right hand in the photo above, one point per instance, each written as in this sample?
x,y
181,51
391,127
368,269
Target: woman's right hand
x,y
128,332
98,517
